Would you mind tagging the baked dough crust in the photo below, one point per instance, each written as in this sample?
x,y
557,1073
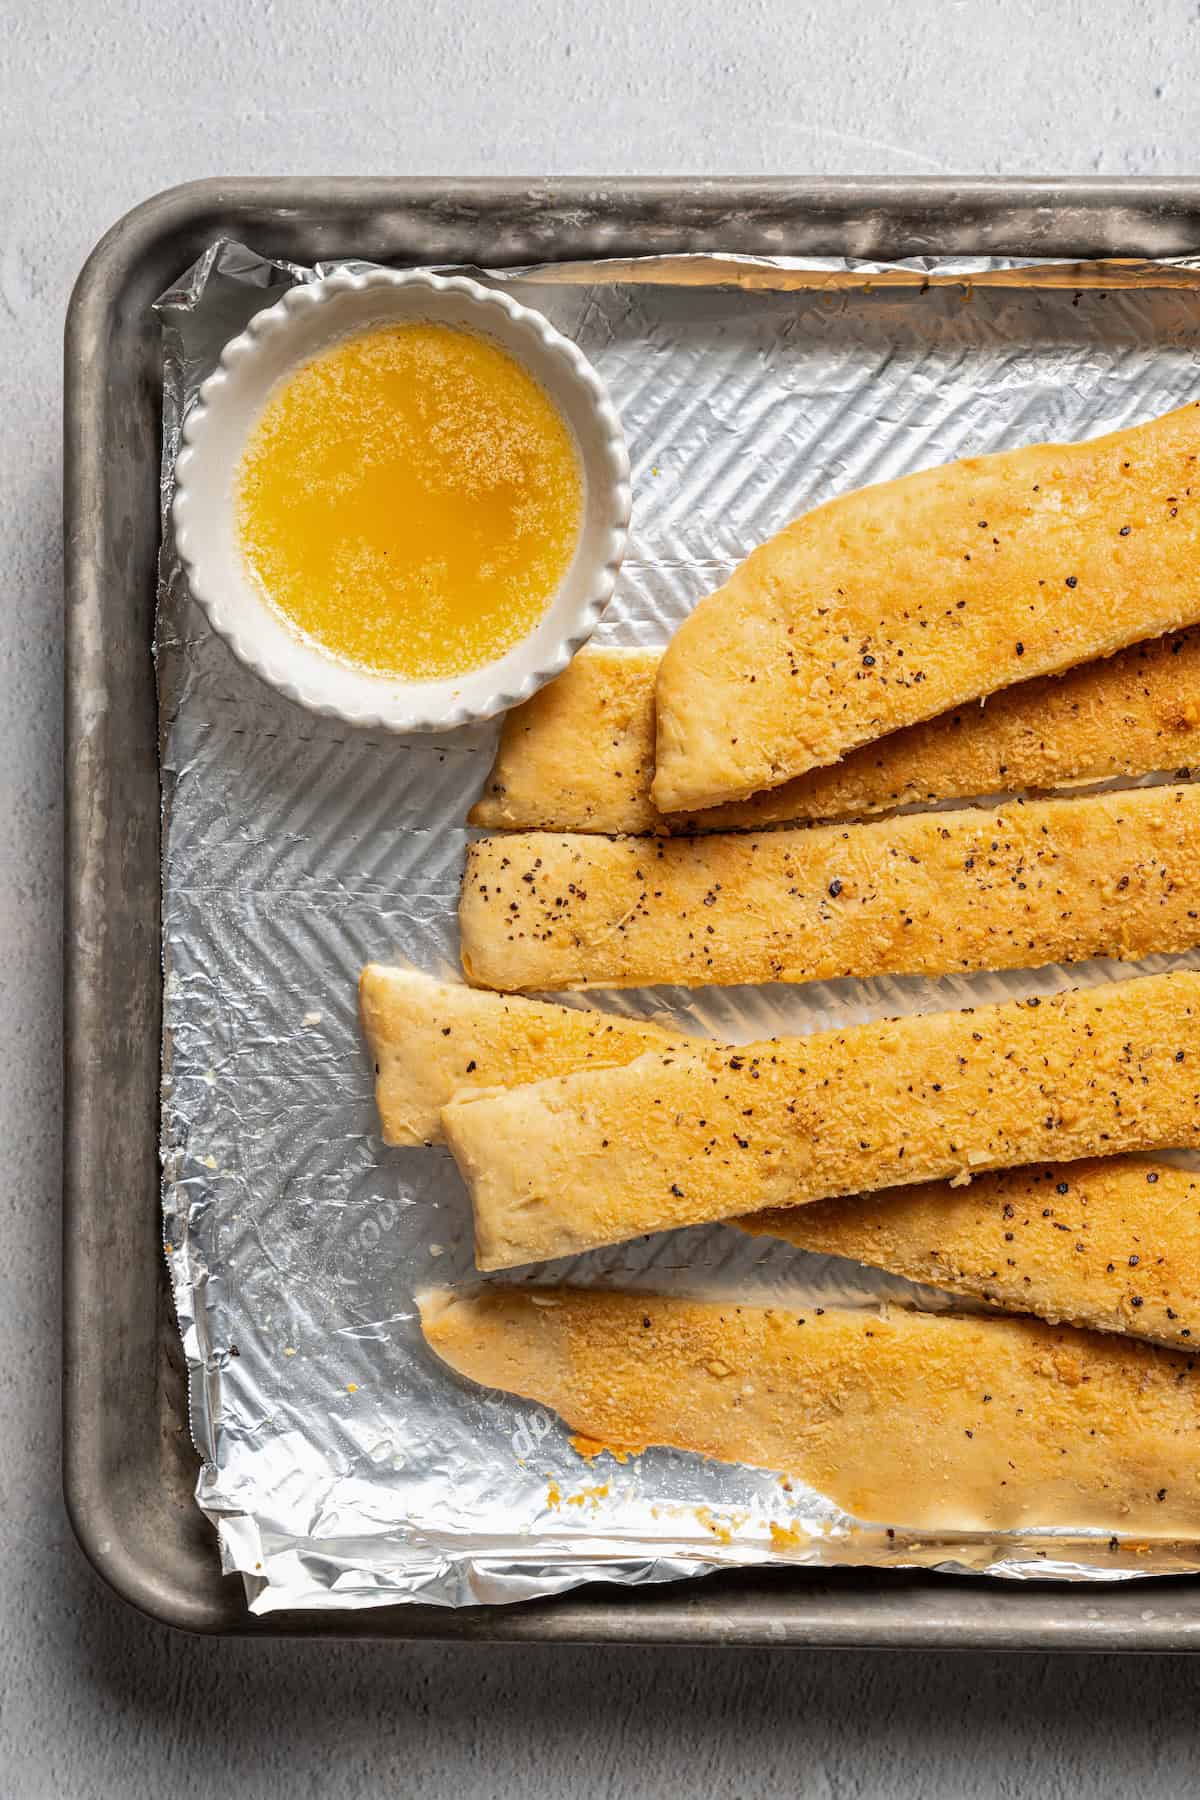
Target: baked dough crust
x,y
430,1040
711,1132
1018,886
902,601
1113,1244
579,756
912,1419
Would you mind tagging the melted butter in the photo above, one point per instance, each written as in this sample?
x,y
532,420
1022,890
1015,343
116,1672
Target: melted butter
x,y
410,500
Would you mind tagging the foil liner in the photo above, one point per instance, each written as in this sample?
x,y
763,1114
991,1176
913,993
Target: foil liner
x,y
342,1465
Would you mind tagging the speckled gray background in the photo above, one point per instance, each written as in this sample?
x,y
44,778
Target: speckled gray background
x,y
94,115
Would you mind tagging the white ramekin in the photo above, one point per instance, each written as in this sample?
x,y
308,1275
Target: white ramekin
x,y
306,321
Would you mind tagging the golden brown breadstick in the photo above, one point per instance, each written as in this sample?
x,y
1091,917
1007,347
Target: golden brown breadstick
x,y
1113,1244
925,1421
899,602
579,756
686,1137
430,1040
1016,886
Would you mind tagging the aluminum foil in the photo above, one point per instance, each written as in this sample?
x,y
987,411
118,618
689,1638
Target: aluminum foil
x,y
342,1465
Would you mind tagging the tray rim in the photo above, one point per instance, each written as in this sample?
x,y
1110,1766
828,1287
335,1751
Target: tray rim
x,y
107,799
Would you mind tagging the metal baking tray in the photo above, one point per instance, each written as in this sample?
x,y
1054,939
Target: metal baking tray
x,y
128,1463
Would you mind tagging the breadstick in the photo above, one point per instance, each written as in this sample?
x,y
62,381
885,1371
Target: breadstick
x,y
579,756
430,1040
894,604
927,1422
689,1136
929,893
1113,1244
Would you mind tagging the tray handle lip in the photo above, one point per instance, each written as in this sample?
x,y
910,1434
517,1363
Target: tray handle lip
x,y
88,1501
591,1616
185,203
115,1563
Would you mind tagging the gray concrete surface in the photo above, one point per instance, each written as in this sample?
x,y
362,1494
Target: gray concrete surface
x,y
99,106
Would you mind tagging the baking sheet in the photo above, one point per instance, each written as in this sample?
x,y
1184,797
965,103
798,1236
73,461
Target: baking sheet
x,y
342,1465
